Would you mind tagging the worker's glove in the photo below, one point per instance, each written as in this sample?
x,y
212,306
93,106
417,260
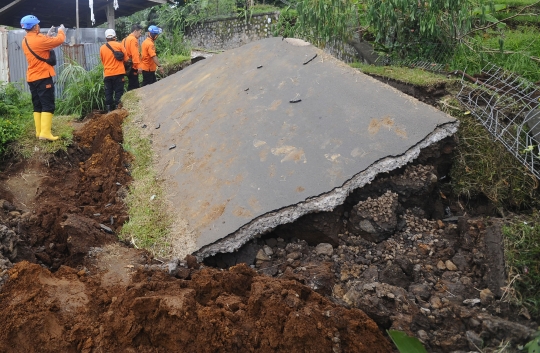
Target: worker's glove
x,y
50,33
62,28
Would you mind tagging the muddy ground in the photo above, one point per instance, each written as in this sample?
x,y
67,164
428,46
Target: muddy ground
x,y
401,253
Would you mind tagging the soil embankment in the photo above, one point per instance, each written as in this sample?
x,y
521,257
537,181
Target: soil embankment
x,y
68,285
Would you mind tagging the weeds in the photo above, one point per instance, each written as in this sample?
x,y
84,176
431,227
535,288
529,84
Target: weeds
x,y
83,90
149,225
522,255
483,166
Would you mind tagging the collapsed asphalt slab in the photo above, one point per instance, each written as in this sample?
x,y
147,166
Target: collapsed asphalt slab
x,y
263,134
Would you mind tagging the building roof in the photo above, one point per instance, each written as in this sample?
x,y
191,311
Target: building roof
x,y
56,12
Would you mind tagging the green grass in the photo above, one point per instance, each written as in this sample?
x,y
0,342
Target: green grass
x,y
522,255
83,91
263,8
149,225
415,77
483,166
28,146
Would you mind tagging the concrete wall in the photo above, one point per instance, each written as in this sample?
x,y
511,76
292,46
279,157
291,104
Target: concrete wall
x,y
234,32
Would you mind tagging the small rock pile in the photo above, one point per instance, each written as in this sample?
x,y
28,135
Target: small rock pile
x,y
428,277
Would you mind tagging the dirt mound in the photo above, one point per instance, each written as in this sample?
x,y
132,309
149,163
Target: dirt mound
x,y
78,200
215,311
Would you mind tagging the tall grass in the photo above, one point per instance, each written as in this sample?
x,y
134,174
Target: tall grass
x,y
83,91
482,166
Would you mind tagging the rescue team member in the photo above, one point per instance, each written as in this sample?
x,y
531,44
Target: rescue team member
x,y
149,61
131,43
113,70
39,74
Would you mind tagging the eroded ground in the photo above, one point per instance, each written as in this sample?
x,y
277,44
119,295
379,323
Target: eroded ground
x,y
68,285
400,254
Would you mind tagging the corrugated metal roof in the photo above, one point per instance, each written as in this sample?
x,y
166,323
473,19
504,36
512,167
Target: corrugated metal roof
x,y
55,12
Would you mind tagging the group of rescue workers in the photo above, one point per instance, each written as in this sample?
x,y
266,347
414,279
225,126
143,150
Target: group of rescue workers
x,y
37,48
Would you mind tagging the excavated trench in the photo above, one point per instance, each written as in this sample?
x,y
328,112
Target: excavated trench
x,y
402,250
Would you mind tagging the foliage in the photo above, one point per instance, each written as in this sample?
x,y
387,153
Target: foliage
x,y
484,167
522,258
148,225
400,22
172,44
286,24
533,346
83,91
406,344
15,114
322,21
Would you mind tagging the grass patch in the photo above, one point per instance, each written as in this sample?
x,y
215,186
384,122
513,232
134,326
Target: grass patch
x,y
149,224
263,8
415,77
173,63
522,257
28,146
483,166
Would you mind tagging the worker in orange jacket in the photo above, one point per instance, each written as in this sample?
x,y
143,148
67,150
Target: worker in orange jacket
x,y
131,43
113,70
149,60
39,74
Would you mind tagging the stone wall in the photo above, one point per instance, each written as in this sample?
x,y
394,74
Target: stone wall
x,y
233,32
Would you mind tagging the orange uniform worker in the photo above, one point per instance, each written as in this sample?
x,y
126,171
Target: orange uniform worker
x,y
113,70
149,60
131,43
39,74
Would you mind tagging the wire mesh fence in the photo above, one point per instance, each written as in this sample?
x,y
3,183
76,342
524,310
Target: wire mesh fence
x,y
507,105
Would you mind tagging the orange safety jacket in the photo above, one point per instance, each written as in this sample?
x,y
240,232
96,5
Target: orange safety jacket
x,y
41,45
148,51
132,48
111,66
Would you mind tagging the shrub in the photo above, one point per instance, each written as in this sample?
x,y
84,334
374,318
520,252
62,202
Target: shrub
x,y
83,90
15,114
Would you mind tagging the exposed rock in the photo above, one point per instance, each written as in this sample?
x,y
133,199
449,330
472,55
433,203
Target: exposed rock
x,y
486,297
375,219
441,266
420,290
262,256
324,249
450,265
502,329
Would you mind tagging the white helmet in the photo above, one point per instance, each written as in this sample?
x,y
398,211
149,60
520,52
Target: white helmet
x,y
110,33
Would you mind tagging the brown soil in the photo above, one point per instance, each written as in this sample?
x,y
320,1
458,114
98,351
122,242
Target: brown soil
x,y
74,287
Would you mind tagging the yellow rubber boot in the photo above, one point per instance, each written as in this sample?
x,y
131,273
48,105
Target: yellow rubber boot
x,y
37,121
46,122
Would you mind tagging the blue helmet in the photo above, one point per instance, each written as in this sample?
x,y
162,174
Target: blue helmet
x,y
27,22
154,30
